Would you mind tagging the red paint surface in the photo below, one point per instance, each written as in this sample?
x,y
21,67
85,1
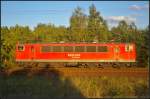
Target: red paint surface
x,y
110,55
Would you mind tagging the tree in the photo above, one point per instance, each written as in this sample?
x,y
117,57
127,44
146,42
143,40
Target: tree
x,y
44,33
124,32
60,34
143,47
97,26
5,46
10,36
78,25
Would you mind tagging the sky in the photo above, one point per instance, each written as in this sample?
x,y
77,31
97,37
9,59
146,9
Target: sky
x,y
31,13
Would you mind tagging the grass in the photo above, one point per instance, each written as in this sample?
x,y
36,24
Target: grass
x,y
112,87
78,87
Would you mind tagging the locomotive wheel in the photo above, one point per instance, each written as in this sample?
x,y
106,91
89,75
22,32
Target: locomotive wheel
x,y
47,65
128,65
85,65
43,65
20,64
100,66
27,65
72,64
80,65
115,65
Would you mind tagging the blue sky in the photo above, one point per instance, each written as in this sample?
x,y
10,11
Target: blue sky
x,y
30,13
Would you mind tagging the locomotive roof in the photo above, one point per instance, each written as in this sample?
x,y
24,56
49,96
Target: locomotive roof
x,y
73,43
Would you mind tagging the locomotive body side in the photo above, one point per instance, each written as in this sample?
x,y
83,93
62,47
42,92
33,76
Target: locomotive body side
x,y
76,52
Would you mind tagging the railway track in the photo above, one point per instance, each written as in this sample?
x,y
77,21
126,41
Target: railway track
x,y
73,71
104,72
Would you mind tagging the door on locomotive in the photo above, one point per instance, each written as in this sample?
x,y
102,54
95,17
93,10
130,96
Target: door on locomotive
x,y
128,50
116,53
32,52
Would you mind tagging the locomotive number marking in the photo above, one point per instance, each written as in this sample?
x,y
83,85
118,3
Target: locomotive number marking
x,y
74,55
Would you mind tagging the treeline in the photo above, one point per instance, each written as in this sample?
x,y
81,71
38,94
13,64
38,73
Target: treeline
x,y
83,28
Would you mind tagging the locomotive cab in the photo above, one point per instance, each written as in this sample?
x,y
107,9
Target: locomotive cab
x,y
128,48
20,47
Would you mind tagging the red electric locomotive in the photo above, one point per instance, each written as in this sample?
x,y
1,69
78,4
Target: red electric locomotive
x,y
77,52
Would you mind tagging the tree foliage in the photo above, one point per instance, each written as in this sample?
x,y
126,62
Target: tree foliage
x,y
78,26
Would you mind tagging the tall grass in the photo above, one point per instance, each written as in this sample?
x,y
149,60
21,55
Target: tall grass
x,y
83,87
111,87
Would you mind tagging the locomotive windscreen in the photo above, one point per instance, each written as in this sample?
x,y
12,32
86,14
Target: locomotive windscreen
x,y
21,48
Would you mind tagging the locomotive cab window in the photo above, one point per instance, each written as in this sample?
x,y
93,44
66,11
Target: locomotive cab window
x,y
21,47
102,49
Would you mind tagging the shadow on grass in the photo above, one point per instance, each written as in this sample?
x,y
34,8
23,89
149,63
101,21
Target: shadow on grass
x,y
44,84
